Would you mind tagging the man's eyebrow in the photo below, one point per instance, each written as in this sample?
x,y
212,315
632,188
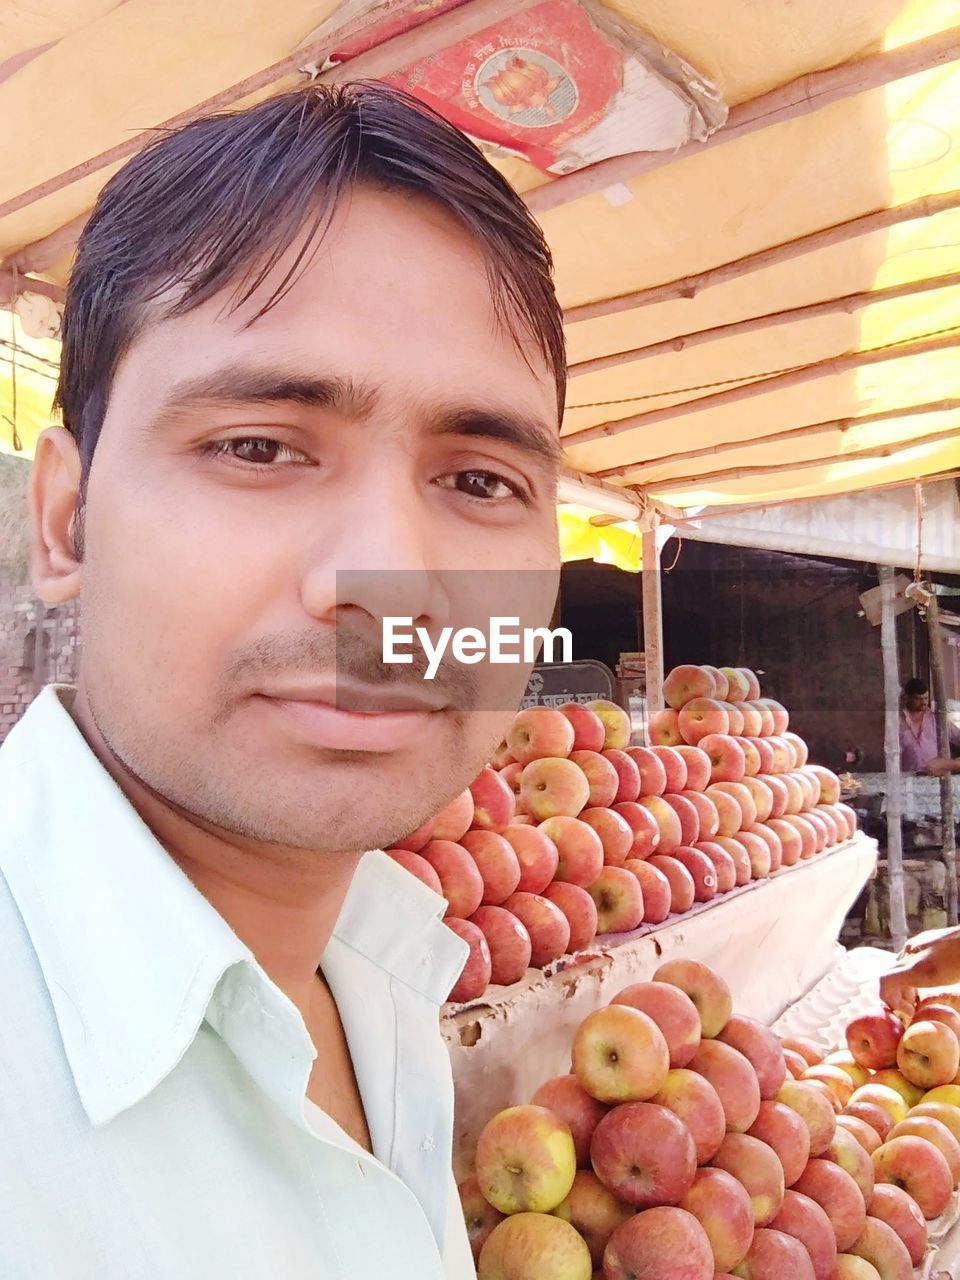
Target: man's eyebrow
x,y
527,434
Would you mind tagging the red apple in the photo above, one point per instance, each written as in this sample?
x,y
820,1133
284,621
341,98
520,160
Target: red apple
x,y
701,869
762,796
836,828
829,784
727,763
874,1038
763,1050
526,1160
790,842
594,1211
766,754
696,1102
781,717
740,792
766,717
546,924
526,1246
494,803
724,866
619,900
628,775
579,908
796,1065
722,684
808,837
847,1152
706,989
734,1079
787,1133
776,1256
839,1196
663,1243
479,1216
684,683
644,1153
741,858
511,773
782,755
455,818
893,1206
460,881
864,1133
751,757
940,1013
567,1099
928,1054
722,1207
579,849
919,1168
701,717
807,1222
759,853
653,776
689,816
814,1109
418,867
800,748
707,814
600,774
614,832
497,863
698,767
681,882
753,683
655,886
781,796
850,817
643,824
729,812
674,766
666,820
615,721
509,944
879,1245
757,1168
620,1055
820,828
664,729
415,841
773,842
538,733
739,685
674,1013
735,719
475,977
752,719
553,786
589,732
536,853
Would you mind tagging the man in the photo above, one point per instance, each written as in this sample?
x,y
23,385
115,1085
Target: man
x,y
918,730
317,335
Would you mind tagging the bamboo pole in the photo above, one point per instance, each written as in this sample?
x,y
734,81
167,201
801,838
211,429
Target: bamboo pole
x,y
805,464
652,621
825,238
787,102
891,751
849,304
947,812
830,367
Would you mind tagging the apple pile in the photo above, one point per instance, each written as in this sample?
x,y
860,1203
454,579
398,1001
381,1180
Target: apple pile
x,y
682,1147
571,832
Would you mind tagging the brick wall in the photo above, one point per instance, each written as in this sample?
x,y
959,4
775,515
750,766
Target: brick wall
x,y
38,646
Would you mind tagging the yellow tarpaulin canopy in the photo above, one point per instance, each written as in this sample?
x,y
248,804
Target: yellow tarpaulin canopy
x,y
810,398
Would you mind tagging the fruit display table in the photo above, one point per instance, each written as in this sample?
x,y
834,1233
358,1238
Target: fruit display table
x,y
772,940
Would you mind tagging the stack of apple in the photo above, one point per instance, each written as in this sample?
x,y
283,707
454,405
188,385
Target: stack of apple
x,y
679,1148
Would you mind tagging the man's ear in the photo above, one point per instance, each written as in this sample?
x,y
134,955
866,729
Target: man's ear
x,y
53,496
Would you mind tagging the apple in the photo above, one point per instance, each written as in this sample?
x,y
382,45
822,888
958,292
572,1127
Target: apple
x,y
579,850
758,705
847,1152
706,989
663,728
729,811
787,1133
864,1133
835,832
552,786
721,683
528,1246
753,683
724,866
829,784
808,837
742,795
667,822
589,732
619,900
702,871
698,767
538,733
928,1054
934,1132
790,842
511,773
494,803
643,824
643,1153
415,841
674,767
603,779
806,1221
821,1088
808,1049
844,1059
536,853
837,1081
752,760
567,1099
759,852
662,1243
497,863
694,1099
614,832
949,1093
689,817
871,1114
850,817
873,1039
757,1168
774,1255
701,717
734,1079
919,1168
761,1048
727,762
475,976
480,1216
772,841
910,1093
781,796
526,1160
722,1207
628,774
674,1013
838,1195
796,1065
594,1211
782,755
849,1267
741,858
942,1111
655,887
762,797
735,719
708,816
880,1245
460,881
685,683
508,941
615,721
893,1206
814,1109
799,746
620,1055
546,924
682,889
752,719
767,756
821,830
738,684
579,908
653,775
418,867
781,717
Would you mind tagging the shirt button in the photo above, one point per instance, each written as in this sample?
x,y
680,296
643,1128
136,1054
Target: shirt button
x,y
429,1143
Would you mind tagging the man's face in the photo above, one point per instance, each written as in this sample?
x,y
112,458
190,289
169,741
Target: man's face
x,y
378,419
918,701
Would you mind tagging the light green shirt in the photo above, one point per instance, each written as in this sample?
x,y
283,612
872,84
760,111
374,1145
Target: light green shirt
x,y
153,1115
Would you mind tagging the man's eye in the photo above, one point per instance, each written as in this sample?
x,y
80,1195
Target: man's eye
x,y
258,451
484,485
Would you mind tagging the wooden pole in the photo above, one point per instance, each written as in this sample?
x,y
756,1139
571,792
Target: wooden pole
x,y
850,303
12,284
947,812
652,621
891,751
798,98
759,386
825,238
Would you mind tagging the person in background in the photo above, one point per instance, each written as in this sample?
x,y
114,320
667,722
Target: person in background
x,y
919,749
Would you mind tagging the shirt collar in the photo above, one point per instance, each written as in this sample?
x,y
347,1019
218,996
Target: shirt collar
x,y
131,952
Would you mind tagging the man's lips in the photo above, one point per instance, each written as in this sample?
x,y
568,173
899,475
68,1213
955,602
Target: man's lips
x,y
347,716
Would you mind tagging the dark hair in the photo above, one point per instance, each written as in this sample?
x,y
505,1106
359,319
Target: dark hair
x,y
915,686
219,201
